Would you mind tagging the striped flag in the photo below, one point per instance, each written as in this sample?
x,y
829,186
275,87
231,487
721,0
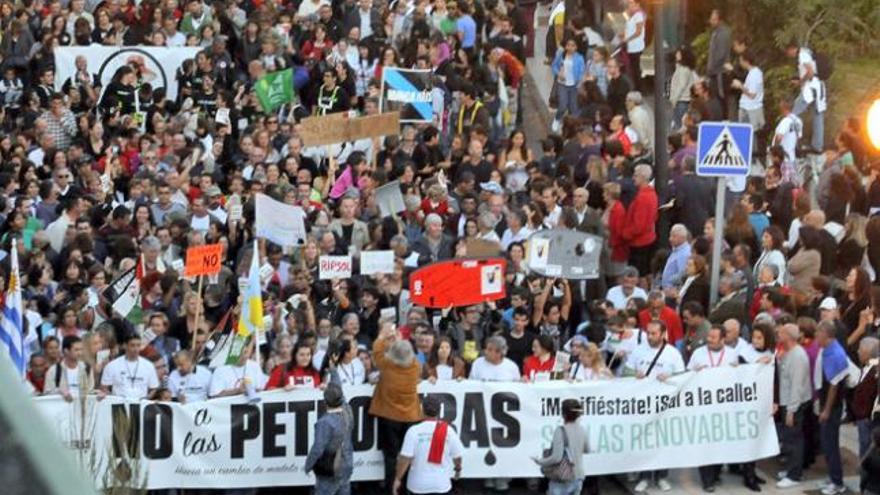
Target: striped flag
x,y
11,321
251,319
124,294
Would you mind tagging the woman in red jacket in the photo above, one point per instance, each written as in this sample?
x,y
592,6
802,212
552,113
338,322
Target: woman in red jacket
x,y
298,372
615,217
538,366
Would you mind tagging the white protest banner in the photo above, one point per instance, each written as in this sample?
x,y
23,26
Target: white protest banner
x,y
330,267
715,416
390,199
373,262
279,222
157,65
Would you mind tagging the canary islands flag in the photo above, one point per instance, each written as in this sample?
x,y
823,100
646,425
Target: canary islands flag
x,y
251,319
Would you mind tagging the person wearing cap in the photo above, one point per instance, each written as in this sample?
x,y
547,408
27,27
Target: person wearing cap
x,y
333,437
620,295
431,451
572,434
829,310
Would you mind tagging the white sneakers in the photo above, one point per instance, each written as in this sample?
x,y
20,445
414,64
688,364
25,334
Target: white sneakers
x,y
786,482
662,484
832,489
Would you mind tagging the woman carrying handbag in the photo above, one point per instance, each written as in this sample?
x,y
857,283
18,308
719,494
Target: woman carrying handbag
x,y
562,463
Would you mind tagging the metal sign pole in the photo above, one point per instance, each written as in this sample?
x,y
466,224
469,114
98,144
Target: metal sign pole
x,y
717,240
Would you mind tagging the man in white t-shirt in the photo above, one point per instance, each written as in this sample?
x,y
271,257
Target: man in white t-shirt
x,y
712,355
619,295
659,360
233,379
751,102
189,382
431,452
493,366
634,38
70,376
812,95
130,375
788,131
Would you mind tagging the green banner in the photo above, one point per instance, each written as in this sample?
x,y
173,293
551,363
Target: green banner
x,y
275,89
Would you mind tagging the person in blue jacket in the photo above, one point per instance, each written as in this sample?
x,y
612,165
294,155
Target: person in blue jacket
x,y
568,71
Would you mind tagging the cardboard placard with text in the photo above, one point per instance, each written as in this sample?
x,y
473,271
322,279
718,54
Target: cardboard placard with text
x,y
203,260
339,128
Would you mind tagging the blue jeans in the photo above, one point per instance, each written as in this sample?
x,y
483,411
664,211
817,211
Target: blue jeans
x,y
864,428
572,487
325,485
817,135
678,113
829,435
568,96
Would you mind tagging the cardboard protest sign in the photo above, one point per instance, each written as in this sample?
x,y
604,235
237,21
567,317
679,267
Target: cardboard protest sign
x,y
564,253
330,267
203,260
390,199
279,222
339,127
478,248
460,282
373,262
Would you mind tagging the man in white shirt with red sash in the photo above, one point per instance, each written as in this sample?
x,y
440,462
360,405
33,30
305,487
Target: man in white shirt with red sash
x,y
712,355
431,452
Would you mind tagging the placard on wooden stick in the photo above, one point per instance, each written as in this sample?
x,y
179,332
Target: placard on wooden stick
x,y
339,127
203,260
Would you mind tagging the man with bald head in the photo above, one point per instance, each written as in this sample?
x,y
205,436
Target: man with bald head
x,y
795,395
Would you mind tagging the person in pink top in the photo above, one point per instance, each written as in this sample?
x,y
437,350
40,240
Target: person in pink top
x,y
352,176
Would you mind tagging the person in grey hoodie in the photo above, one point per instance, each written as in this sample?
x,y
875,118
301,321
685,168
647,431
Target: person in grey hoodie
x,y
332,433
576,438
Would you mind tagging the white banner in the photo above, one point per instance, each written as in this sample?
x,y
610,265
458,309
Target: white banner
x,y
279,222
159,64
715,416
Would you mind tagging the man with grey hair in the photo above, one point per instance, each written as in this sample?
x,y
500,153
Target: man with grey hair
x,y
434,244
732,303
494,366
486,223
795,396
865,393
640,119
638,231
674,271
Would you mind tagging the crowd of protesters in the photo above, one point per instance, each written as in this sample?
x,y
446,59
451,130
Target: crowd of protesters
x,y
98,179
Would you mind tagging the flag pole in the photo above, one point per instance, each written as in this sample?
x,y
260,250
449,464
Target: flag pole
x,y
198,312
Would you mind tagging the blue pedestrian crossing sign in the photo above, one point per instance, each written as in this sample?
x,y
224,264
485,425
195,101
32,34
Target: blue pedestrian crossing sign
x,y
724,149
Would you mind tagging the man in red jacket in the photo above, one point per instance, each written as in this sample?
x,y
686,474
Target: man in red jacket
x,y
658,310
641,217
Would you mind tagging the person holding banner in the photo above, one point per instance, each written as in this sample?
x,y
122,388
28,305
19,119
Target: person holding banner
x,y
659,360
243,377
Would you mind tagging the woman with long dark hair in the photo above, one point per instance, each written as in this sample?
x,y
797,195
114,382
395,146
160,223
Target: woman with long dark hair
x,y
298,372
443,363
856,298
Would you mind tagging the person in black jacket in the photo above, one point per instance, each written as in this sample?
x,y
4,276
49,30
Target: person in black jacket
x,y
694,198
120,92
619,86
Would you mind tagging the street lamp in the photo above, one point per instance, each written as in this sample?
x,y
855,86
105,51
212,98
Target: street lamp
x,y
874,124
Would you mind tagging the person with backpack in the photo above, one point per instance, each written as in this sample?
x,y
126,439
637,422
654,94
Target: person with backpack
x,y
812,72
563,462
331,454
70,377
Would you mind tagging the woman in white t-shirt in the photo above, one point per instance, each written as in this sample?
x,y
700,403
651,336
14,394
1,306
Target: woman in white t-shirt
x,y
443,364
633,37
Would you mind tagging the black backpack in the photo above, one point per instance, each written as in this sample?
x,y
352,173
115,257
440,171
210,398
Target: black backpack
x,y
824,66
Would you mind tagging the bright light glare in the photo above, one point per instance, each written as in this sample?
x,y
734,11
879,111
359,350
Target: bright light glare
x,y
874,124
